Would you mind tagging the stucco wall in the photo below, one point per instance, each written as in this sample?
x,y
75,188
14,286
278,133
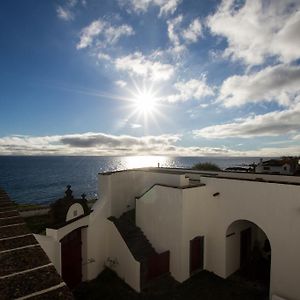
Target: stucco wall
x,y
159,215
268,177
74,211
120,259
123,187
96,237
51,248
275,208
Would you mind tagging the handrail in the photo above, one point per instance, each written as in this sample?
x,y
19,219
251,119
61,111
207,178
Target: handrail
x,y
169,186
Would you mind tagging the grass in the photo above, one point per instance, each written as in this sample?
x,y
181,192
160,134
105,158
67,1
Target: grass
x,y
204,286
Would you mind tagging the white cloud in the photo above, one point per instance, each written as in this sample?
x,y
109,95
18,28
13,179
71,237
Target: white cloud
x,y
64,13
193,32
173,28
259,29
138,64
104,144
166,7
135,126
121,83
279,83
194,89
104,56
274,123
88,33
178,35
113,34
106,33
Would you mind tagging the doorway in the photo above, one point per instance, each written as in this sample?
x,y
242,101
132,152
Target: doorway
x,y
196,254
71,259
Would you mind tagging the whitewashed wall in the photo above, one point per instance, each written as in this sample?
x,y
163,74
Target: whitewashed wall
x,y
120,259
267,177
275,208
51,248
159,215
124,187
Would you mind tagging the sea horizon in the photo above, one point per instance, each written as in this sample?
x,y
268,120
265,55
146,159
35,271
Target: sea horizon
x,y
42,178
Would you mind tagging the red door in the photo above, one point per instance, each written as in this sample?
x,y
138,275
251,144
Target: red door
x,y
196,254
71,258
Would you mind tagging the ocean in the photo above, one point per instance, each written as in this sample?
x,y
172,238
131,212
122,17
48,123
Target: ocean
x,y
42,179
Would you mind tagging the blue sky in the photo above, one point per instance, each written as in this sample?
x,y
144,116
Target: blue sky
x,y
167,77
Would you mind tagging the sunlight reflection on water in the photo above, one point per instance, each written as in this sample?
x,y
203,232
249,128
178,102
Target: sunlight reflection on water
x,y
131,162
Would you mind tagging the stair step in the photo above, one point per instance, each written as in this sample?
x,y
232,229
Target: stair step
x,y
134,237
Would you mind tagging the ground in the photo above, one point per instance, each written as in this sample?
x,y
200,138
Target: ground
x,y
204,286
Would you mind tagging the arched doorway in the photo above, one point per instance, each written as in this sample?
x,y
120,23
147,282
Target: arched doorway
x,y
248,253
71,258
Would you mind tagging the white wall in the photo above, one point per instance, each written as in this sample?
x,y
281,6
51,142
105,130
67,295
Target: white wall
x,y
268,177
74,211
51,248
124,264
159,215
275,208
97,235
123,187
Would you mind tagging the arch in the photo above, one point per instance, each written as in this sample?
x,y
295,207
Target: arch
x,y
248,251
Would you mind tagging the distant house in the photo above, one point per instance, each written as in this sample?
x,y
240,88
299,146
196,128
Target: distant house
x,y
154,221
284,166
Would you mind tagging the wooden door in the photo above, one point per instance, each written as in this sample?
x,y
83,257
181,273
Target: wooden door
x,y
158,265
196,254
245,254
71,260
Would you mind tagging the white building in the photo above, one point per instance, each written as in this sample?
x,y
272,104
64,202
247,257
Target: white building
x,y
193,221
276,166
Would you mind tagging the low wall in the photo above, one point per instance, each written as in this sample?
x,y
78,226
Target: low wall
x,y
120,259
51,248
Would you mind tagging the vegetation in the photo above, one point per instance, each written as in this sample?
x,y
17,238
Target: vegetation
x,y
207,166
37,224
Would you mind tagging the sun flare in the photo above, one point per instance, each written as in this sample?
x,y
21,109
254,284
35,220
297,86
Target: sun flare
x,y
145,102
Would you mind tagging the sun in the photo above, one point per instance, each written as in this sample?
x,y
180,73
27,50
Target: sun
x,y
145,102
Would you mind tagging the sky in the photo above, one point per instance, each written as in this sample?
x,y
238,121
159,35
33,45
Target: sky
x,y
150,77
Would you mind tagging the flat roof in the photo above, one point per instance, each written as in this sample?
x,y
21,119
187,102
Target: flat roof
x,y
215,174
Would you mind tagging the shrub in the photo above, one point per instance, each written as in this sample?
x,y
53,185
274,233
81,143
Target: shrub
x,y
207,166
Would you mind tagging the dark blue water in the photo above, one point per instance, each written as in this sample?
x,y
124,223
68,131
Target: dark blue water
x,y
43,179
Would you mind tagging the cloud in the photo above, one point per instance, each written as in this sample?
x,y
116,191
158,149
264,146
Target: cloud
x,y
102,144
139,65
258,29
179,36
280,83
135,126
193,32
274,123
105,144
106,33
166,7
64,13
194,89
121,83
